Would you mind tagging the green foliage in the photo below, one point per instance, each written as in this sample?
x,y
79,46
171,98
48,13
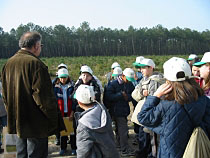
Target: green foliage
x,y
60,40
100,65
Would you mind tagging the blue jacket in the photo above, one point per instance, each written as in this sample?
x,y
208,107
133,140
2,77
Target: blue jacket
x,y
169,119
120,107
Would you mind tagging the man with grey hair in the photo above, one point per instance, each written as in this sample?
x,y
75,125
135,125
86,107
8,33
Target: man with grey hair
x,y
29,99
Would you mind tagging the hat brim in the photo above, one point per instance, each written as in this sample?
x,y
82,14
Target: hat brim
x,y
130,79
190,59
63,76
142,65
136,64
114,75
199,63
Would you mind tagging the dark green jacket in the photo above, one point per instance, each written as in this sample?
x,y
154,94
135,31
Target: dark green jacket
x,y
28,97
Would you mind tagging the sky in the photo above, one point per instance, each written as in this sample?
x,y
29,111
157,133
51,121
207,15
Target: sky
x,y
114,14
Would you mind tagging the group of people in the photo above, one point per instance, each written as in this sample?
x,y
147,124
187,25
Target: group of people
x,y
36,105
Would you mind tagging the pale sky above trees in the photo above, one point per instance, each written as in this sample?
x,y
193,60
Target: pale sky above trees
x,y
120,14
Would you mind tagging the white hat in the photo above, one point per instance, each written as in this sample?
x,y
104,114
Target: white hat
x,y
192,56
85,94
117,71
63,73
175,65
138,60
129,74
147,62
205,59
62,65
86,68
115,64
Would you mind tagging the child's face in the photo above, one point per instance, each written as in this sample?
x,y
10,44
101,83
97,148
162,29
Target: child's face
x,y
195,71
63,80
204,71
86,77
147,71
124,78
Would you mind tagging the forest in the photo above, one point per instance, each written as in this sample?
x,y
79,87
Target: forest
x,y
62,41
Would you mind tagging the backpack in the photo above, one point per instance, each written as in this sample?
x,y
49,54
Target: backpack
x,y
199,145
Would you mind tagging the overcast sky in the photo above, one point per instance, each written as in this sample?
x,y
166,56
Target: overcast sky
x,y
120,14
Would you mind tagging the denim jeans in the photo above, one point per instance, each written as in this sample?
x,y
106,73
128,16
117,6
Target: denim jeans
x,y
32,147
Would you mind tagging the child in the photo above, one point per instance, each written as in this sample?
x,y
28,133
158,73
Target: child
x,y
138,74
63,89
109,74
119,93
95,137
193,58
175,109
146,87
205,73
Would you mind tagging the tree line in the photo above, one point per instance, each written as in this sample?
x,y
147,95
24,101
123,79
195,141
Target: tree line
x,y
84,41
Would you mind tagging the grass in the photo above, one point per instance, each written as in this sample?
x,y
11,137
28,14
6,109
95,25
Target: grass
x,y
100,65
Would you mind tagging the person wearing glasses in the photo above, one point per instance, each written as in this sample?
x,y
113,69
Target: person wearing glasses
x,y
29,99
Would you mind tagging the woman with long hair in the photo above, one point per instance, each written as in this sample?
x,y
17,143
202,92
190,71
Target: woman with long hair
x,y
167,111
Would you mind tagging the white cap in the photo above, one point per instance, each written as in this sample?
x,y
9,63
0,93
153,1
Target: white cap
x,y
63,73
85,94
117,71
192,56
129,74
115,64
86,68
138,60
205,59
175,65
147,62
62,65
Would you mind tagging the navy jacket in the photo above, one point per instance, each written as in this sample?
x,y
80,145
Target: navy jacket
x,y
120,107
169,119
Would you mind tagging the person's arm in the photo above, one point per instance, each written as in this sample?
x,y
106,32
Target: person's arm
x,y
152,112
44,96
129,92
137,93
